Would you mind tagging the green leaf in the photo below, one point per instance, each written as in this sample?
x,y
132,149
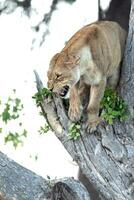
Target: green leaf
x,y
15,138
113,106
73,131
6,115
78,126
24,133
44,129
39,95
12,109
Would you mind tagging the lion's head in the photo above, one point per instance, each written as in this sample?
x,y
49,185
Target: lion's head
x,y
63,73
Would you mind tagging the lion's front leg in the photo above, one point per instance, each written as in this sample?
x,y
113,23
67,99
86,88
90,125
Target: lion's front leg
x,y
96,94
75,107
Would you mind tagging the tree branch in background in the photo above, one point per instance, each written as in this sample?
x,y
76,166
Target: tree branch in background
x,y
3,8
47,18
26,4
9,6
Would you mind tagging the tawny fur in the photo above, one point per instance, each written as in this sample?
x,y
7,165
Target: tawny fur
x,y
91,57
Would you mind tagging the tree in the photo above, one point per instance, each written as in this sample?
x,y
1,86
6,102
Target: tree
x,y
106,158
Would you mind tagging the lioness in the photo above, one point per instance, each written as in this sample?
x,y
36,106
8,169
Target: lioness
x,y
91,57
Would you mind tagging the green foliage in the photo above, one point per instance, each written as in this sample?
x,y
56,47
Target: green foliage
x,y
113,106
12,109
44,92
74,131
44,129
16,138
39,95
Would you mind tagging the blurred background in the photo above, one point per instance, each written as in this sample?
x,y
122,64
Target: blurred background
x,y
32,31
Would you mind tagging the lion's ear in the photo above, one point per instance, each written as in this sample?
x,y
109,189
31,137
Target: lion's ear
x,y
48,73
73,60
54,59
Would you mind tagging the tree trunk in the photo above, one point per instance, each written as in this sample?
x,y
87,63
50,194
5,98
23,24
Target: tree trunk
x,y
118,11
106,157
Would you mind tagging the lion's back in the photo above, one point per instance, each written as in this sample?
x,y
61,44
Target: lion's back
x,y
106,40
107,45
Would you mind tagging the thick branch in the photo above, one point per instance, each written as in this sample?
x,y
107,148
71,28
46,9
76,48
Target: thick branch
x,y
17,182
69,189
101,156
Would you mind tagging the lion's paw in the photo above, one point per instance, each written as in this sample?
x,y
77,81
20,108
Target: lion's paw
x,y
92,126
74,113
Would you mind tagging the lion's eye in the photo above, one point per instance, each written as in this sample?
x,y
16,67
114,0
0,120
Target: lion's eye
x,y
58,76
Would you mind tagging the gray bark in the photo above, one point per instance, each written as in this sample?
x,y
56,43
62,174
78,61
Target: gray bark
x,y
106,157
19,183
69,189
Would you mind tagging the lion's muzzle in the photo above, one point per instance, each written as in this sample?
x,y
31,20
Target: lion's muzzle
x,y
63,91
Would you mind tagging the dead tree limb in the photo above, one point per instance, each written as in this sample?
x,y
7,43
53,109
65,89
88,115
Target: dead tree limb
x,y
19,183
69,189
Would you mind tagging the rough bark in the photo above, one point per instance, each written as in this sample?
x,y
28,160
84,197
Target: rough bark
x,y
69,189
106,157
118,11
19,183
